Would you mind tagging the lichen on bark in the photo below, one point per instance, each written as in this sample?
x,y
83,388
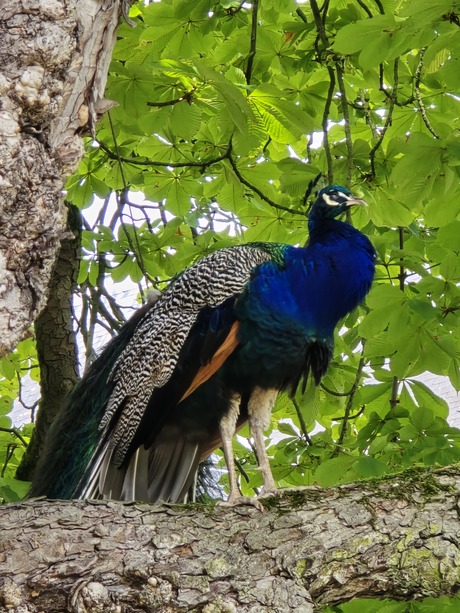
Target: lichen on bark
x,y
54,57
392,538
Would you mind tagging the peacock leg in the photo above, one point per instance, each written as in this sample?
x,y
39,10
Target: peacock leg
x,y
260,408
227,432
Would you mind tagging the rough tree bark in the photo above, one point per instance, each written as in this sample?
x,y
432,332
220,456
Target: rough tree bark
x,y
54,58
56,344
398,538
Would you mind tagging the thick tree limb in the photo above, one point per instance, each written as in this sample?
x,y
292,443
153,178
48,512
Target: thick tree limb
x,y
56,344
397,538
54,57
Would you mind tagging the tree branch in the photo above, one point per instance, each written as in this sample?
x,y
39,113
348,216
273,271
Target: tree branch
x,y
56,344
346,118
252,47
322,36
187,97
15,432
418,96
349,405
313,547
365,8
259,192
388,120
137,162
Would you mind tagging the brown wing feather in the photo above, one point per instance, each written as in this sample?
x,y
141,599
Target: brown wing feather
x,y
205,372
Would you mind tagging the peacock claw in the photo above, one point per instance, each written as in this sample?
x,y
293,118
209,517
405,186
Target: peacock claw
x,y
235,501
272,491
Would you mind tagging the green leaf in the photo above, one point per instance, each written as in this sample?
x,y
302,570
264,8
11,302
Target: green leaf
x,y
295,176
454,374
286,428
238,108
331,471
356,36
367,467
427,399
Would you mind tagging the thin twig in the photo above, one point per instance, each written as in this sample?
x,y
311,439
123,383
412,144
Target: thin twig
x,y
95,306
365,8
122,200
241,470
118,313
337,394
102,212
325,127
114,322
136,162
28,407
392,95
347,128
187,97
8,455
324,9
301,14
136,249
303,425
388,120
256,190
418,96
380,7
15,432
402,277
252,47
349,405
350,417
321,30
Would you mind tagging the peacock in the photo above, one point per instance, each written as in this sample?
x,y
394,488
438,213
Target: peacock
x,y
210,354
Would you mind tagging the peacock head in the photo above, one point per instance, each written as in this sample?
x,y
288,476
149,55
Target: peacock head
x,y
332,201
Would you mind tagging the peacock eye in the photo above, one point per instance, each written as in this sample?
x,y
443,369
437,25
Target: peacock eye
x,y
332,198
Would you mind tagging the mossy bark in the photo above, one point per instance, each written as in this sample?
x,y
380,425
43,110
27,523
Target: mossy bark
x,y
397,538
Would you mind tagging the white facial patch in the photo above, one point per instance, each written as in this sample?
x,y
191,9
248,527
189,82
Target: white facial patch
x,y
330,201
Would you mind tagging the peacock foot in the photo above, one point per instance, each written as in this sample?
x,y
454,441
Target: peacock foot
x,y
270,491
237,500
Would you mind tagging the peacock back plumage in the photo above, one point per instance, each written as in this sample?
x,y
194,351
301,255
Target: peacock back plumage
x,y
213,351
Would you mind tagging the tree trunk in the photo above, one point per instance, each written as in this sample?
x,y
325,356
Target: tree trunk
x,y
56,344
397,538
54,58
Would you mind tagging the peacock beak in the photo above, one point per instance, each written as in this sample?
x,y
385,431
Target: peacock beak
x,y
355,202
